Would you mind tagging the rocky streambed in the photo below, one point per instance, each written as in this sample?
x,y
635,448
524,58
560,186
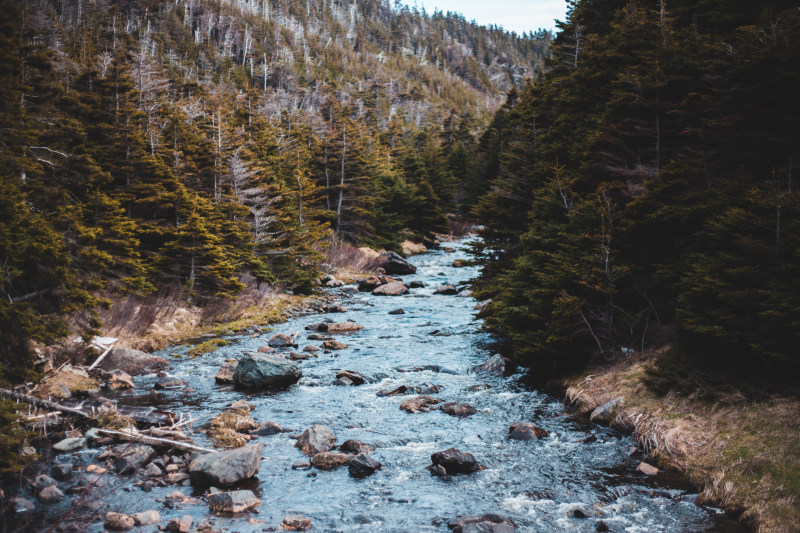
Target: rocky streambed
x,y
386,412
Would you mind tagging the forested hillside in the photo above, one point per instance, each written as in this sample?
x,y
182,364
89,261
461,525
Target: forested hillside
x,y
189,143
646,185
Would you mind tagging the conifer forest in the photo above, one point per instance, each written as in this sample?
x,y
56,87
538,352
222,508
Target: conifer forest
x,y
626,183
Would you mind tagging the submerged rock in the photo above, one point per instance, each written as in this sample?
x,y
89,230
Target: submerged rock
x,y
316,439
296,523
488,523
236,501
454,462
458,409
495,365
256,371
397,312
525,431
447,290
395,288
356,447
226,468
362,465
170,383
420,404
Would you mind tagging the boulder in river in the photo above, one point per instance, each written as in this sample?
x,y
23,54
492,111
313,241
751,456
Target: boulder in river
x,y
225,374
316,439
226,468
525,431
355,447
256,371
362,465
416,284
495,365
420,404
458,263
268,428
393,263
356,377
133,362
334,345
310,349
118,521
606,413
343,327
397,312
330,460
236,501
395,288
319,337
368,284
296,523
488,523
458,409
455,462
50,494
447,290
281,340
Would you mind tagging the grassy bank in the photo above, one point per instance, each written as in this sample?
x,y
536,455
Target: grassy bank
x,y
741,447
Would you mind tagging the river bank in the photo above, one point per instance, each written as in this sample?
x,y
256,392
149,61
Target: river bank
x,y
743,452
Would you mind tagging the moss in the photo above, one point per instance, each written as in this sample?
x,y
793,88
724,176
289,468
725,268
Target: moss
x,y
225,428
12,437
112,419
207,347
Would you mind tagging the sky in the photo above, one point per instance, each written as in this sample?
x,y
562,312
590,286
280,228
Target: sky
x,y
514,15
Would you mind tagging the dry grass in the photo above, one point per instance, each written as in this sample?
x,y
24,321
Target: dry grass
x,y
349,261
743,452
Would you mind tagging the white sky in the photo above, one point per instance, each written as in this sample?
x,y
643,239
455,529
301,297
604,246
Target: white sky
x,y
513,15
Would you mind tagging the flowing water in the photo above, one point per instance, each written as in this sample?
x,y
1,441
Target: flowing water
x,y
538,484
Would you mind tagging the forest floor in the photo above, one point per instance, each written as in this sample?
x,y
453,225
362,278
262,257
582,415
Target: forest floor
x,y
740,446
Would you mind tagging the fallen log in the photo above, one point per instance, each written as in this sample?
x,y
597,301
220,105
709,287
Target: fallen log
x,y
154,441
44,404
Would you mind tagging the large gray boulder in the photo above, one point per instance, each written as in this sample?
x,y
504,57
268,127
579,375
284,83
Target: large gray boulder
x,y
133,362
260,371
226,468
394,263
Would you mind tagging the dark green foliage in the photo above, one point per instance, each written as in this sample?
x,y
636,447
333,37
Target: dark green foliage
x,y
647,180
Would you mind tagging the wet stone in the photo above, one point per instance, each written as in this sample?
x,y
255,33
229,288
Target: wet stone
x,y
146,518
446,290
316,439
355,446
420,404
225,374
171,383
488,523
319,337
356,377
180,525
296,523
362,465
118,521
458,409
42,481
525,431
236,501
456,462
50,494
72,444
61,471
330,460
22,505
334,345
397,312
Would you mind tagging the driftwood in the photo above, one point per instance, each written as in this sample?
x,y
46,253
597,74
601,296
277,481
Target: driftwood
x,y
45,404
135,436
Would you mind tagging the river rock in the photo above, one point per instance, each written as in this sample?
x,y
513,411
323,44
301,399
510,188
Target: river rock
x,y
316,439
458,409
355,447
525,431
118,380
488,523
236,501
133,362
399,391
72,444
362,465
266,349
330,460
647,469
62,471
226,468
50,494
146,518
310,349
21,505
413,248
281,340
335,308
268,428
225,374
343,327
416,284
449,249
319,337
333,345
171,383
356,377
153,471
180,525
41,482
256,371
606,413
395,288
427,388
420,404
334,283
368,284
118,521
299,356
495,365
394,263
447,290
397,312
296,523
131,457
455,462
458,263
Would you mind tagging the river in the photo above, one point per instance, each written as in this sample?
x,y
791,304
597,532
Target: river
x,y
538,484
